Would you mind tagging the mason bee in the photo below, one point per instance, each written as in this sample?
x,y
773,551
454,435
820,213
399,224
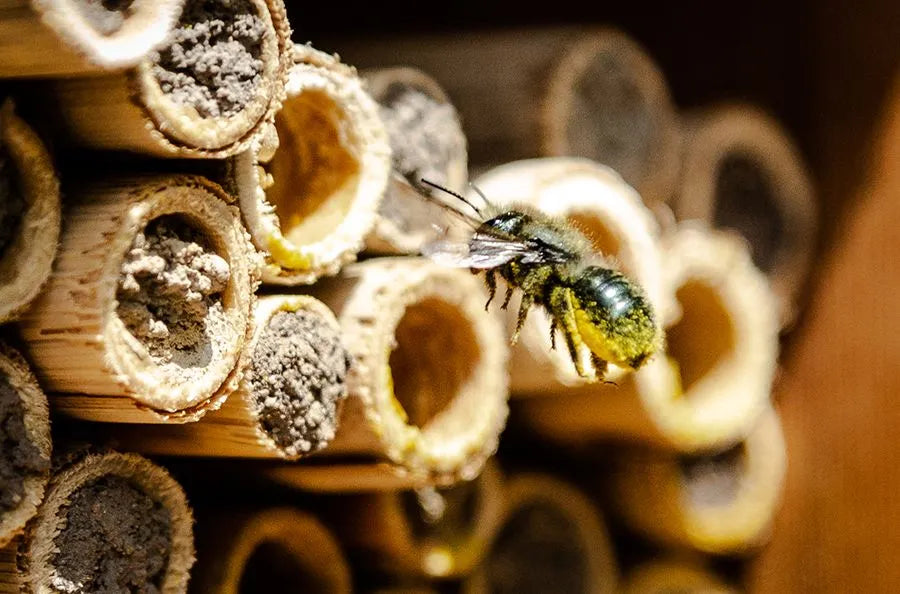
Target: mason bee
x,y
556,268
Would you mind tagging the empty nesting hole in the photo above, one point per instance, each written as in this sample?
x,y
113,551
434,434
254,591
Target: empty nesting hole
x,y
105,16
455,516
274,567
436,352
315,171
602,238
171,291
747,200
538,550
714,480
704,335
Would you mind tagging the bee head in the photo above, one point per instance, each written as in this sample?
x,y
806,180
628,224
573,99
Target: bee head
x,y
510,223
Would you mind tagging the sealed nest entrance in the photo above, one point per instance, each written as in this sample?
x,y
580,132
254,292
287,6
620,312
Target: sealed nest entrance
x,y
315,170
116,538
170,295
276,567
713,480
746,200
612,120
213,60
538,550
106,16
603,239
12,201
705,334
20,457
297,378
436,352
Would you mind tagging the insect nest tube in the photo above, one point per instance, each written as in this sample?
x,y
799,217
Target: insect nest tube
x,y
145,314
25,435
550,539
741,171
114,520
622,232
427,141
719,503
668,574
171,105
427,392
68,37
310,196
268,551
287,402
29,213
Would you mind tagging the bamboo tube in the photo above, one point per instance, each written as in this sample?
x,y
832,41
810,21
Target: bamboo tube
x,y
29,213
287,401
25,435
273,550
709,387
109,522
621,229
147,308
428,533
310,196
742,171
427,141
427,388
718,503
551,539
667,575
211,91
509,86
67,37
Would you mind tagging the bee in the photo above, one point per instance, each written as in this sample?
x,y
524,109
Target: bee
x,y
556,268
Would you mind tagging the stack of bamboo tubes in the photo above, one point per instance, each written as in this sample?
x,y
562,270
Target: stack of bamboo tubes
x,y
196,316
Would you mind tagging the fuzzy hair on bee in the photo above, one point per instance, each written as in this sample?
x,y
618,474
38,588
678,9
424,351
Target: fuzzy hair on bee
x,y
556,268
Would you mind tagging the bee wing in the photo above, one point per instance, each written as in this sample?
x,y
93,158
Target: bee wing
x,y
481,251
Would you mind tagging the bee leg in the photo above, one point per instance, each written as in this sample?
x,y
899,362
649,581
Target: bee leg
x,y
509,294
553,327
524,306
491,282
600,366
563,312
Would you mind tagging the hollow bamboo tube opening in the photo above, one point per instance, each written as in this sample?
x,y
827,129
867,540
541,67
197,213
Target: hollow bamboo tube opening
x,y
310,196
608,101
146,311
29,213
713,380
68,37
622,232
668,575
427,142
550,539
274,550
171,104
742,171
428,392
286,404
112,521
719,503
25,440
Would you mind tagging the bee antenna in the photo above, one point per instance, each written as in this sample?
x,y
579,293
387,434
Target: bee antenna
x,y
454,194
480,193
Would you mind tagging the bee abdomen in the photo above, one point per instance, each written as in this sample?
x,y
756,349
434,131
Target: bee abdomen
x,y
609,290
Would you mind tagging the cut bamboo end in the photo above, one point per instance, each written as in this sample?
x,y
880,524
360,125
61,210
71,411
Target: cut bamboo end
x,y
110,519
667,575
622,231
427,385
68,37
147,309
720,503
427,142
25,458
715,378
268,551
311,196
608,101
742,171
169,105
551,539
29,213
422,534
286,405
